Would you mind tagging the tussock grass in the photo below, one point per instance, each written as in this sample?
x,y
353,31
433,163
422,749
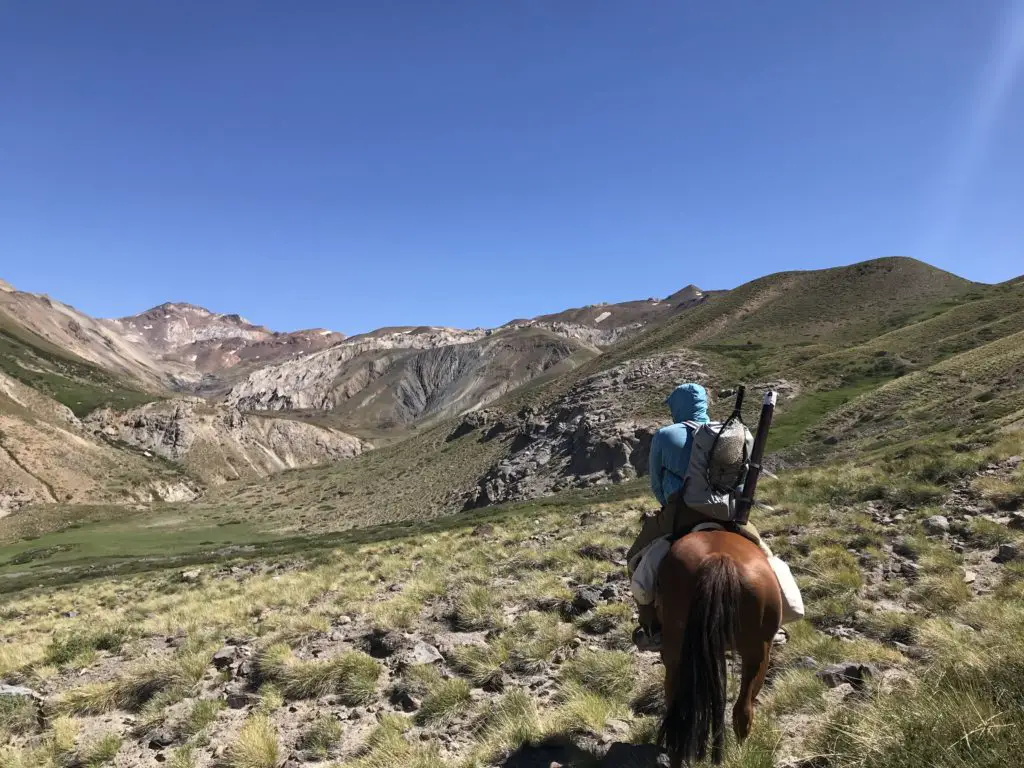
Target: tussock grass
x,y
476,608
505,726
256,745
17,716
353,675
804,640
480,663
270,699
102,751
795,690
183,757
968,709
172,678
16,657
401,612
605,618
202,715
584,711
69,646
322,735
386,747
445,701
891,626
605,673
991,534
60,741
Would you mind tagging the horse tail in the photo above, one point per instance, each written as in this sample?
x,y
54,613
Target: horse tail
x,y
697,710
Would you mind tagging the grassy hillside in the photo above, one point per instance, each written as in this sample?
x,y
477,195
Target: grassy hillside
x,y
516,666
69,380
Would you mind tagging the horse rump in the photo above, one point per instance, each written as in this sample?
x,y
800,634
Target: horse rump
x,y
696,713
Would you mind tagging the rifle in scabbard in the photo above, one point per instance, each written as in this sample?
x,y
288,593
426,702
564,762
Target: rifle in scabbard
x,y
764,423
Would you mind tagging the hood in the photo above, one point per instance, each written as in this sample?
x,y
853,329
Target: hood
x,y
688,402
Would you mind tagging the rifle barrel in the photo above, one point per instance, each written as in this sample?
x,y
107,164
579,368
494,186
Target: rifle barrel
x,y
756,455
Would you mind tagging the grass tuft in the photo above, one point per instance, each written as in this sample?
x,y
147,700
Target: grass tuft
x,y
256,746
102,752
353,675
321,736
446,700
606,673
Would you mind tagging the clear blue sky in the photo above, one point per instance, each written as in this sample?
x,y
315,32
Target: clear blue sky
x,y
356,164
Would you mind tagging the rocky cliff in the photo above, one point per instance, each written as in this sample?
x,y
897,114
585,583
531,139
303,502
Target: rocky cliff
x,y
596,433
403,377
217,444
48,456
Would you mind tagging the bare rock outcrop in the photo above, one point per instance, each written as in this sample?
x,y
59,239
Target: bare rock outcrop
x,y
402,378
217,443
594,434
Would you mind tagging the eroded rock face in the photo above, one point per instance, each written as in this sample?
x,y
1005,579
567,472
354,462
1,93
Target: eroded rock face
x,y
588,437
398,379
218,443
595,434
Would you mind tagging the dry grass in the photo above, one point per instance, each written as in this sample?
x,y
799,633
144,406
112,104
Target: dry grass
x,y
322,735
353,676
256,746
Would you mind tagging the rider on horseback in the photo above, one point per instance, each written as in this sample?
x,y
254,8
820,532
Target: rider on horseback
x,y
670,456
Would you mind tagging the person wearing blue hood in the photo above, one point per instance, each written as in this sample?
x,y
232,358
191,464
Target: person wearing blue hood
x,y
670,456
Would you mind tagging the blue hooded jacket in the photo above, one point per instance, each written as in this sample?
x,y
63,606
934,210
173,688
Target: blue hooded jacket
x,y
670,447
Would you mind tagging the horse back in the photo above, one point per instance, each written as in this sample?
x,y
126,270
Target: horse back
x,y
761,596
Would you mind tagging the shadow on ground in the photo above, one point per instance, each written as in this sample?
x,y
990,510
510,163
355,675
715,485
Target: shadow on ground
x,y
568,755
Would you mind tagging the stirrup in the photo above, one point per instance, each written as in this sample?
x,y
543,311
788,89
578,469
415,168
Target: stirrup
x,y
646,641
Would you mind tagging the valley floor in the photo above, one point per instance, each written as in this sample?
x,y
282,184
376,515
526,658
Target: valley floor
x,y
501,637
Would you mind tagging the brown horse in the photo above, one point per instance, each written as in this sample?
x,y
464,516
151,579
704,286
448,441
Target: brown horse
x,y
717,592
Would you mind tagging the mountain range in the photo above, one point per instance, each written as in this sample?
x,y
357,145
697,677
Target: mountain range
x,y
180,404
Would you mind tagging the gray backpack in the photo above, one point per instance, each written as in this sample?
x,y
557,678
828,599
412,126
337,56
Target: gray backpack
x,y
719,460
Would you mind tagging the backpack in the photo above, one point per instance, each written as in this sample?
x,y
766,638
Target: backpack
x,y
719,459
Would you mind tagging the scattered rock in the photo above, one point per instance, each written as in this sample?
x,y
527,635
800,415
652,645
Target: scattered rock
x,y
70,614
893,680
189,576
936,524
343,620
495,682
483,531
423,653
1007,552
839,693
970,577
405,700
224,657
902,546
814,761
160,739
595,552
852,672
238,700
622,755
1016,521
382,643
585,599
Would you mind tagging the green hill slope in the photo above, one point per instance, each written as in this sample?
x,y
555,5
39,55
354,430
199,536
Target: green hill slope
x,y
76,383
